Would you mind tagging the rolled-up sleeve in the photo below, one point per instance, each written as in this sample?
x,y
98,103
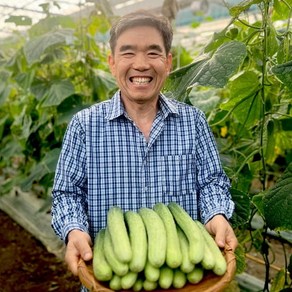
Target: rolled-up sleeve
x,y
69,207
214,195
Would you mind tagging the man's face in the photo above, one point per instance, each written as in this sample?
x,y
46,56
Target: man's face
x,y
140,64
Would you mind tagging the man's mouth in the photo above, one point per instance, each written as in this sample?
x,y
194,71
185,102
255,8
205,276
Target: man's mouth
x,y
140,80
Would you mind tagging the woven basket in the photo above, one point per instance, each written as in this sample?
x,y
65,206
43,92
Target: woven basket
x,y
210,282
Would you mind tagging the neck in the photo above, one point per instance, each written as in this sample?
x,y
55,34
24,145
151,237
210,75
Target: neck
x,y
143,115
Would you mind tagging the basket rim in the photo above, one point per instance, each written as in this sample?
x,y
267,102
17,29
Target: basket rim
x,y
211,282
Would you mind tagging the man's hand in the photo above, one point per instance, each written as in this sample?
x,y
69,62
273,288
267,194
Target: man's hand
x,y
78,246
223,232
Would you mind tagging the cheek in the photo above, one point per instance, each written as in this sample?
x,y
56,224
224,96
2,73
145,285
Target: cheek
x,y
119,69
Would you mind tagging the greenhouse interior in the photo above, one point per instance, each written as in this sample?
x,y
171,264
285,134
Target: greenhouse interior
x,y
231,61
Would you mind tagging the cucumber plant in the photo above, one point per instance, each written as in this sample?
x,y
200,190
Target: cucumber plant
x,y
242,81
249,110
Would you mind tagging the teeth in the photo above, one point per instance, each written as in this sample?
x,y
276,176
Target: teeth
x,y
141,80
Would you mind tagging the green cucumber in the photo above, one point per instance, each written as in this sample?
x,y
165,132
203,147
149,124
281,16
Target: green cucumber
x,y
149,286
101,269
138,240
173,251
166,277
128,281
117,266
156,234
151,273
179,279
208,261
220,265
115,283
138,286
196,275
119,234
186,265
191,230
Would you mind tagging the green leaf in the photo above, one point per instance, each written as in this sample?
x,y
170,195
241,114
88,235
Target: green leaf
x,y
102,83
50,23
240,259
100,24
243,179
244,5
68,108
10,149
5,85
217,40
241,86
281,10
34,49
6,186
4,92
59,91
204,100
19,20
257,200
278,202
242,207
179,81
25,79
286,124
284,73
20,128
225,61
46,166
39,89
278,282
209,70
244,100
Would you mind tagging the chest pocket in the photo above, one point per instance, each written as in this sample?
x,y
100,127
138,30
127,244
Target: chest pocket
x,y
178,175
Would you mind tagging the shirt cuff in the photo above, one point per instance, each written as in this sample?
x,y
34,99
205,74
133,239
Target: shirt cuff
x,y
227,213
71,226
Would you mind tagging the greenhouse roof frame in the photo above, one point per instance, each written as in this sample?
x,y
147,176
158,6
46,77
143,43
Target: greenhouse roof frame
x,y
28,12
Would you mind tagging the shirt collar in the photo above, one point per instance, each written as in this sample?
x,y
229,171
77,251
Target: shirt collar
x,y
116,108
167,106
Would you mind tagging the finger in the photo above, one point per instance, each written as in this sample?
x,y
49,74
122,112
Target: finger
x,y
220,238
71,258
232,241
84,248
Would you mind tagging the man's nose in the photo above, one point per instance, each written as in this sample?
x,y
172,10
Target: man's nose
x,y
141,62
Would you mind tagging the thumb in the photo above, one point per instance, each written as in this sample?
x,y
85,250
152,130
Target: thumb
x,y
78,246
84,247
220,238
82,242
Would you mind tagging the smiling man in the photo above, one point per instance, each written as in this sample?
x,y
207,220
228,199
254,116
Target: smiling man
x,y
138,148
140,63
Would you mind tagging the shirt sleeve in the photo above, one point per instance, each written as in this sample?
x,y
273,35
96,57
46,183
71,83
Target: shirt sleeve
x,y
69,194
214,196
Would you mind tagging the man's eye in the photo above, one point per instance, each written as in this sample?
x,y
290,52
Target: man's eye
x,y
128,54
153,54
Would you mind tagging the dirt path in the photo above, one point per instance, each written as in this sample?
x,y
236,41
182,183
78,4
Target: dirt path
x,y
27,266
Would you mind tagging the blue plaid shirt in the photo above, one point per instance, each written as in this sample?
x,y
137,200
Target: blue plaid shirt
x,y
106,161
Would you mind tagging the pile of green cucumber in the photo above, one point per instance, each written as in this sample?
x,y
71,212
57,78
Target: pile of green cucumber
x,y
162,247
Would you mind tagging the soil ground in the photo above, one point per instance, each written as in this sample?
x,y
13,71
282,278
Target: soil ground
x,y
26,265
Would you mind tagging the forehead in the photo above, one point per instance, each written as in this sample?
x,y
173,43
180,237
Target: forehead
x,y
140,33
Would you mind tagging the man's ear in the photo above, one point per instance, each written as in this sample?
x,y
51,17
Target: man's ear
x,y
169,63
111,63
